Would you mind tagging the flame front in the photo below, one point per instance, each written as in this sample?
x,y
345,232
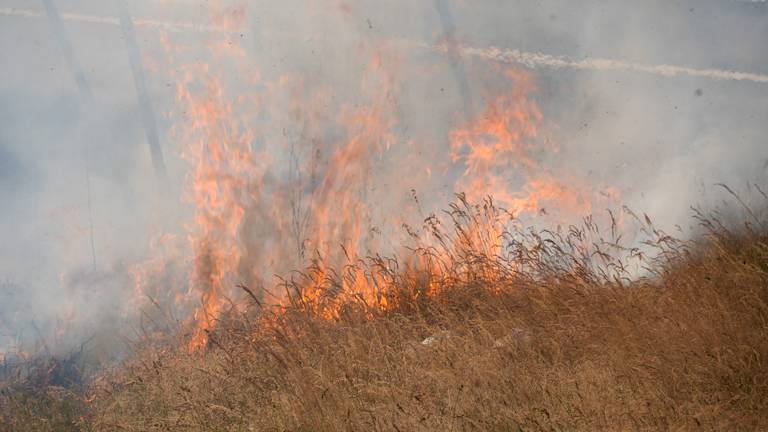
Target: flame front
x,y
287,173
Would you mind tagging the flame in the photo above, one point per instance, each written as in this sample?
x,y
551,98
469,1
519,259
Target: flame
x,y
232,184
224,177
282,176
500,143
339,205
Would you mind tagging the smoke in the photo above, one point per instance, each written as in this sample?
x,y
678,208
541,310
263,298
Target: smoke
x,y
344,105
109,20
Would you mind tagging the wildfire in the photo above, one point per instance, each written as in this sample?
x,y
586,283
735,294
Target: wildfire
x,y
285,175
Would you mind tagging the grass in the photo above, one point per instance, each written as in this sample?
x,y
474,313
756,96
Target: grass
x,y
549,332
39,394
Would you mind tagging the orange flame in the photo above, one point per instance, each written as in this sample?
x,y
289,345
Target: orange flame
x,y
253,218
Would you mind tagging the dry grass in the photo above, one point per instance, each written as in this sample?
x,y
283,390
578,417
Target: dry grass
x,y
39,394
547,334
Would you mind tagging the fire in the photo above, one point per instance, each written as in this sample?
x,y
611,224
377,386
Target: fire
x,y
233,186
500,144
223,179
284,175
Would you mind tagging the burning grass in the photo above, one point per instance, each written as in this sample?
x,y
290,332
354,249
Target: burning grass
x,y
480,330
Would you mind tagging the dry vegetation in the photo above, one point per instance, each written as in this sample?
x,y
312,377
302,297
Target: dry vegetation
x,y
548,333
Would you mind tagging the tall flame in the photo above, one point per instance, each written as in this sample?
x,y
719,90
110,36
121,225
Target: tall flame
x,y
285,175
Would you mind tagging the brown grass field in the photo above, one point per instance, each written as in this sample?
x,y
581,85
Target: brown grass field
x,y
549,332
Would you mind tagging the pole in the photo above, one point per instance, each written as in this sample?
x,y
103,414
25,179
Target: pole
x,y
145,104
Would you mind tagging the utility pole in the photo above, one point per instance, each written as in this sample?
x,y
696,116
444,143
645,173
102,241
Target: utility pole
x,y
145,105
